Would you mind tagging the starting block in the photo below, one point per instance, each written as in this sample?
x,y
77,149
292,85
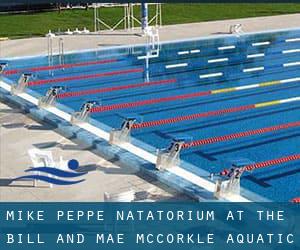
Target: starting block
x,y
50,97
84,113
22,84
170,157
3,65
227,188
122,135
230,185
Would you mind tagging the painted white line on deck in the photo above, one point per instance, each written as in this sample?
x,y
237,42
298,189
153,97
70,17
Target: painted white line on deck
x,y
29,98
94,130
25,96
194,51
139,152
211,75
183,52
226,47
261,43
291,64
195,179
237,198
292,40
59,113
290,51
256,55
5,86
218,60
179,65
253,69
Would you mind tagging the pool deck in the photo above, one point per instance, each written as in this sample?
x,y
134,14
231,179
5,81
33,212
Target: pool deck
x,y
18,133
107,176
38,45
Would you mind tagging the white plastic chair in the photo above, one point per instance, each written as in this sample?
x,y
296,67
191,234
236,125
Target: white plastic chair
x,y
77,31
50,34
69,32
40,158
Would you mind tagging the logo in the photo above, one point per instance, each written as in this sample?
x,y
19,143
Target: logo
x,y
55,175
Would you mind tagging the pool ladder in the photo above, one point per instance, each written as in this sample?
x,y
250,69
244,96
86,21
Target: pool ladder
x,y
61,53
50,53
153,47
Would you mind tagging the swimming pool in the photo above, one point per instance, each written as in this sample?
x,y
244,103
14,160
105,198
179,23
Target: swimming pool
x,y
232,98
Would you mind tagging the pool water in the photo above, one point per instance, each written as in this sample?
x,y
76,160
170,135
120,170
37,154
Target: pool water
x,y
193,77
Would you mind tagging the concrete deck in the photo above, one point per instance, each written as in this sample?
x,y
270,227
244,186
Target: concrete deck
x,y
36,46
18,132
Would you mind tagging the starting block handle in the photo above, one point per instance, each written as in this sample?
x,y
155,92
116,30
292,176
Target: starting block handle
x,y
22,83
3,65
170,157
127,123
84,113
50,97
122,135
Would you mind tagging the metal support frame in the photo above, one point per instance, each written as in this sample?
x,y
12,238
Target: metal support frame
x,y
170,157
22,84
133,20
122,135
125,20
83,115
129,20
50,97
155,20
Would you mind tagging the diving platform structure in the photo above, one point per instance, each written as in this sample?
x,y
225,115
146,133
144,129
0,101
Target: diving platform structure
x,y
129,20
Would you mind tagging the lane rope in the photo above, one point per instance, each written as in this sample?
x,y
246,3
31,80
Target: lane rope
x,y
191,117
296,200
111,89
263,164
80,77
147,102
160,122
240,135
188,96
269,163
65,66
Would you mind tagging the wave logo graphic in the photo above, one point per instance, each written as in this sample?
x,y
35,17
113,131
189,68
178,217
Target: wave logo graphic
x,y
54,175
